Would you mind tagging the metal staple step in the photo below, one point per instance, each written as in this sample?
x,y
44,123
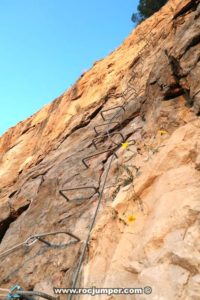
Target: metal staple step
x,y
96,191
40,237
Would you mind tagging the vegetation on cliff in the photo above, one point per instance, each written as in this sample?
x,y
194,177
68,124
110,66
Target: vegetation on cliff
x,y
147,8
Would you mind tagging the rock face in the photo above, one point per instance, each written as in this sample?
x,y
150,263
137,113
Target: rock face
x,y
147,231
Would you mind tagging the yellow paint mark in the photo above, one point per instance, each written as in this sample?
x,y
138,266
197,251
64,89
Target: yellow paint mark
x,y
162,132
131,218
125,145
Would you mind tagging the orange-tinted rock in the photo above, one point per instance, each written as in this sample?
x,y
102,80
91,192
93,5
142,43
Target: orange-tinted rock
x,y
147,230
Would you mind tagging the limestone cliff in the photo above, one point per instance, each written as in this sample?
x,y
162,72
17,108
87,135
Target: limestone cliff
x,y
147,231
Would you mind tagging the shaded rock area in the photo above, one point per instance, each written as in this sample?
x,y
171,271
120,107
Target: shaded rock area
x,y
147,231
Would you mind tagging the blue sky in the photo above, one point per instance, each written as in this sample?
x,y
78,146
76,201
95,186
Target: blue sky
x,y
46,44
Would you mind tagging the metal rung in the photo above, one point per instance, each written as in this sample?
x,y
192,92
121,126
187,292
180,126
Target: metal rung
x,y
130,84
125,93
39,237
104,125
131,142
96,191
108,135
43,235
130,91
112,108
93,155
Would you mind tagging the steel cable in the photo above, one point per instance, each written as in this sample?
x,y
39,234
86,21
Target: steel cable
x,y
91,227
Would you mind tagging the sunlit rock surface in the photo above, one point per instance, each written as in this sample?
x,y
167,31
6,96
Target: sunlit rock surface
x,y
148,227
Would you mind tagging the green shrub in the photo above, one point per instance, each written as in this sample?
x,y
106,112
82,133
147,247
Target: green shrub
x,y
146,8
